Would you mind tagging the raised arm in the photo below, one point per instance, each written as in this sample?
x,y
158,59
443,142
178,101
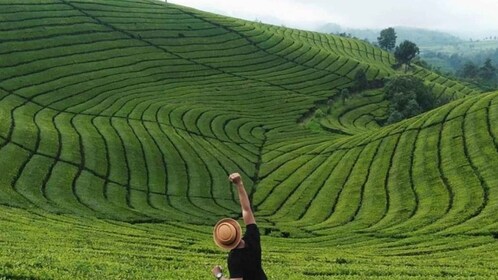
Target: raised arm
x,y
245,204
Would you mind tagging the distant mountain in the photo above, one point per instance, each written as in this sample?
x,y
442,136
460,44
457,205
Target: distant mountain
x,y
422,37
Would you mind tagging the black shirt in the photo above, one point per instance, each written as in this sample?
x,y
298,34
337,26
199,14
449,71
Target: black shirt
x,y
246,262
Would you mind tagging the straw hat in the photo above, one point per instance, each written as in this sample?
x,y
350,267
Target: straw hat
x,y
227,233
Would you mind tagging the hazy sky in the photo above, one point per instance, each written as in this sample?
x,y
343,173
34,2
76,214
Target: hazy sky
x,y
462,16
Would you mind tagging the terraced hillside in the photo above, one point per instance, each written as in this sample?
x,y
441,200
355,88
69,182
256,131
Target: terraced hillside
x,y
120,121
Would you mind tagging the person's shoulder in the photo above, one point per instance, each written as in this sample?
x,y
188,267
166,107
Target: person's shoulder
x,y
252,232
252,225
251,236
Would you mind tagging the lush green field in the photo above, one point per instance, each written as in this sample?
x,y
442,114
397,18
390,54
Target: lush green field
x,y
120,121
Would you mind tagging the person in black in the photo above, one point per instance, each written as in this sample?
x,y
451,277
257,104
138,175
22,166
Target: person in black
x,y
244,261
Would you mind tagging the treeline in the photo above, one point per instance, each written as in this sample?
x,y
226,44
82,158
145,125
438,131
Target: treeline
x,y
479,68
408,95
360,83
485,75
457,61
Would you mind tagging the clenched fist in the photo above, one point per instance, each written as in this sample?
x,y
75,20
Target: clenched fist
x,y
235,178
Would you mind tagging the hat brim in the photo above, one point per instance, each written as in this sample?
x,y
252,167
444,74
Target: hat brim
x,y
238,229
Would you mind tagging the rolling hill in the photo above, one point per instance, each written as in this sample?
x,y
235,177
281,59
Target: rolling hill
x,y
120,121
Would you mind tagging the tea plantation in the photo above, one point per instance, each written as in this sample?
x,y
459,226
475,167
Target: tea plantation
x,y
120,121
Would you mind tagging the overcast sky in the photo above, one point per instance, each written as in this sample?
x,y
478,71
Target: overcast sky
x,y
460,16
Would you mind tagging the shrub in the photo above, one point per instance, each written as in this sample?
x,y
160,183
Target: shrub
x,y
408,96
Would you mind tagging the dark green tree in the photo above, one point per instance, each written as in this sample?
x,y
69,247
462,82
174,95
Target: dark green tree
x,y
394,117
405,84
405,52
424,97
469,70
408,96
400,100
387,39
412,108
488,72
361,81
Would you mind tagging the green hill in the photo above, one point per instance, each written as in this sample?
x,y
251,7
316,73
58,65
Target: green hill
x,y
120,121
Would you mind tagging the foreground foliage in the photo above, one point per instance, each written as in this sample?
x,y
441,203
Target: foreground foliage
x,y
44,246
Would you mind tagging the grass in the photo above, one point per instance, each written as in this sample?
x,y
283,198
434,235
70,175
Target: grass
x,y
120,121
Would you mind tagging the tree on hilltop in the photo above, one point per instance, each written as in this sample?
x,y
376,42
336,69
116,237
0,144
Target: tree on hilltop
x,y
405,52
387,39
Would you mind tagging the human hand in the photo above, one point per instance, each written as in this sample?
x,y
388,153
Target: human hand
x,y
235,178
216,270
